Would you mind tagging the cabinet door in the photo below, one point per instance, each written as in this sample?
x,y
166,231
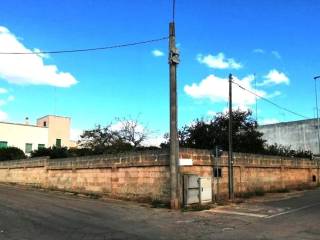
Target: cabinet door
x,y
205,189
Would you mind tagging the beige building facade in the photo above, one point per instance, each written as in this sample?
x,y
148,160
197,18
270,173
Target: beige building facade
x,y
49,131
58,129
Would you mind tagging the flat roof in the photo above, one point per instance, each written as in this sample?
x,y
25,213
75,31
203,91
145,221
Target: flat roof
x,y
53,116
22,124
289,122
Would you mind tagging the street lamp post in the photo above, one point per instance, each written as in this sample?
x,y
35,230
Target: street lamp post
x,y
315,86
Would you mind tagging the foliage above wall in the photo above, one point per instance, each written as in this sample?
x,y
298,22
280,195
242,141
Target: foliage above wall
x,y
209,133
11,153
125,135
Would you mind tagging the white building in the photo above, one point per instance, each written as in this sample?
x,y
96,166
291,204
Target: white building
x,y
49,131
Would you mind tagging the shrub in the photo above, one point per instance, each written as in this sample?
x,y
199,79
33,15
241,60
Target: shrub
x,y
63,152
78,152
259,192
281,190
252,193
41,152
11,153
285,151
52,152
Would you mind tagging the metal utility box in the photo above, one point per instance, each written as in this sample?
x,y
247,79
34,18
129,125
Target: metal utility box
x,y
196,189
190,189
205,189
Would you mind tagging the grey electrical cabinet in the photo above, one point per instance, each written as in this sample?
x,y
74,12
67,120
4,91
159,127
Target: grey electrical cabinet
x,y
196,189
191,189
205,189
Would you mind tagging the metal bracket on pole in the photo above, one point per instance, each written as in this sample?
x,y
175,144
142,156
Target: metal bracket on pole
x,y
174,57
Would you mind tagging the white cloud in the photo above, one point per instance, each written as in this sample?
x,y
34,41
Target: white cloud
x,y
3,90
157,53
225,110
11,98
274,94
154,141
3,116
219,61
258,50
5,101
276,54
75,134
30,68
269,121
151,140
216,89
119,125
275,77
211,113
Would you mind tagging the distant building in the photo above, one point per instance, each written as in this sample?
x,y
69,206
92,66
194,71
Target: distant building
x,y
297,134
49,131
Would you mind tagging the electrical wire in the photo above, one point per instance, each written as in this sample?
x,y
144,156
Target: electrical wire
x,y
267,100
87,49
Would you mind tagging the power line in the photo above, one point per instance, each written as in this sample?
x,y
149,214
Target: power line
x,y
87,49
267,100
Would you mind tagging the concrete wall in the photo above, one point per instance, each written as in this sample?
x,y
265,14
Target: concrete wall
x,y
297,134
17,135
146,175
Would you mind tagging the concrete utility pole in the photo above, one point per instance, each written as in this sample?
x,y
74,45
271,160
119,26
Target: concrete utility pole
x,y
217,155
174,142
230,155
315,87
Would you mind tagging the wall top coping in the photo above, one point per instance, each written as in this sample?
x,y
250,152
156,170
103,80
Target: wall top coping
x,y
157,158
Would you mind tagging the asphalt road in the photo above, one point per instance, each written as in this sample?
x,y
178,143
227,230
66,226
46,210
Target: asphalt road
x,y
34,214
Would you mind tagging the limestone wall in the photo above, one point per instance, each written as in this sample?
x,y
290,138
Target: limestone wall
x,y
137,176
146,176
252,172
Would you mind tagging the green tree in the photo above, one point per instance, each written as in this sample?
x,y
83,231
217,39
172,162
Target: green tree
x,y
206,134
100,138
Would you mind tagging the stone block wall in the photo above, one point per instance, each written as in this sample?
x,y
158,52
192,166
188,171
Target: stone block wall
x,y
140,176
146,176
253,172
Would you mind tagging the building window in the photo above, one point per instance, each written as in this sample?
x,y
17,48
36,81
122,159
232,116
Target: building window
x,y
44,123
41,146
58,143
3,144
217,173
28,147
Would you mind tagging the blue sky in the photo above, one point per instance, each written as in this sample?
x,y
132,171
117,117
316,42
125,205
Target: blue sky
x,y
275,41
